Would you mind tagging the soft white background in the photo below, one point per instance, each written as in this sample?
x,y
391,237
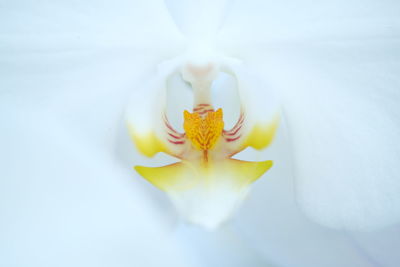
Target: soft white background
x,y
68,193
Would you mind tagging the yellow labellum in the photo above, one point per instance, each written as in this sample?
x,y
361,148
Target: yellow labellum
x,y
203,132
186,175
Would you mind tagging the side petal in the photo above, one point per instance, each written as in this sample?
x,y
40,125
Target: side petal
x,y
261,135
146,117
341,105
259,107
339,89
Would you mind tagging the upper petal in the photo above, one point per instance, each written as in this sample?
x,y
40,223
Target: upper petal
x,y
71,26
199,20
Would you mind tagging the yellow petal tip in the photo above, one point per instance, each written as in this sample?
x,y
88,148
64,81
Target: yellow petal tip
x,y
148,144
167,178
249,171
262,135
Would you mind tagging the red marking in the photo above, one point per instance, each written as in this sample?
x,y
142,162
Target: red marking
x,y
170,127
232,139
174,136
230,133
203,105
176,142
238,124
205,111
241,119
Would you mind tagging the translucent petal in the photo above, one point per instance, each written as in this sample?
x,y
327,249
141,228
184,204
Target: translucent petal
x,y
146,117
68,194
258,22
341,103
66,26
273,224
335,67
199,20
259,108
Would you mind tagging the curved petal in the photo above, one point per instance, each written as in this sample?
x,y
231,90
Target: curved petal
x,y
259,118
271,222
145,114
146,117
338,83
341,104
64,172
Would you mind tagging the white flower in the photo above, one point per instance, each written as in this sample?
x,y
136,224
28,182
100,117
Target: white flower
x,y
324,120
69,196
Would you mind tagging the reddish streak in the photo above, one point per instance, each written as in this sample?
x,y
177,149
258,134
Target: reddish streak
x,y
232,139
174,136
203,105
239,123
176,142
169,127
205,111
235,132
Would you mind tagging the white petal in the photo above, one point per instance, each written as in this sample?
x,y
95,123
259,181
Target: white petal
x,y
341,103
69,196
146,113
66,26
259,106
199,20
338,81
147,105
381,246
259,22
272,223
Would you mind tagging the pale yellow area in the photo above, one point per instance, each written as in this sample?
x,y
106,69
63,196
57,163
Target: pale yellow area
x,y
173,177
247,172
185,175
203,132
148,144
262,135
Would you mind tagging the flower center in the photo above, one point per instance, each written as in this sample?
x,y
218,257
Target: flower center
x,y
203,131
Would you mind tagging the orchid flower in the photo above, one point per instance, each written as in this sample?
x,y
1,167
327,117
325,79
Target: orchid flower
x,y
207,184
320,79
